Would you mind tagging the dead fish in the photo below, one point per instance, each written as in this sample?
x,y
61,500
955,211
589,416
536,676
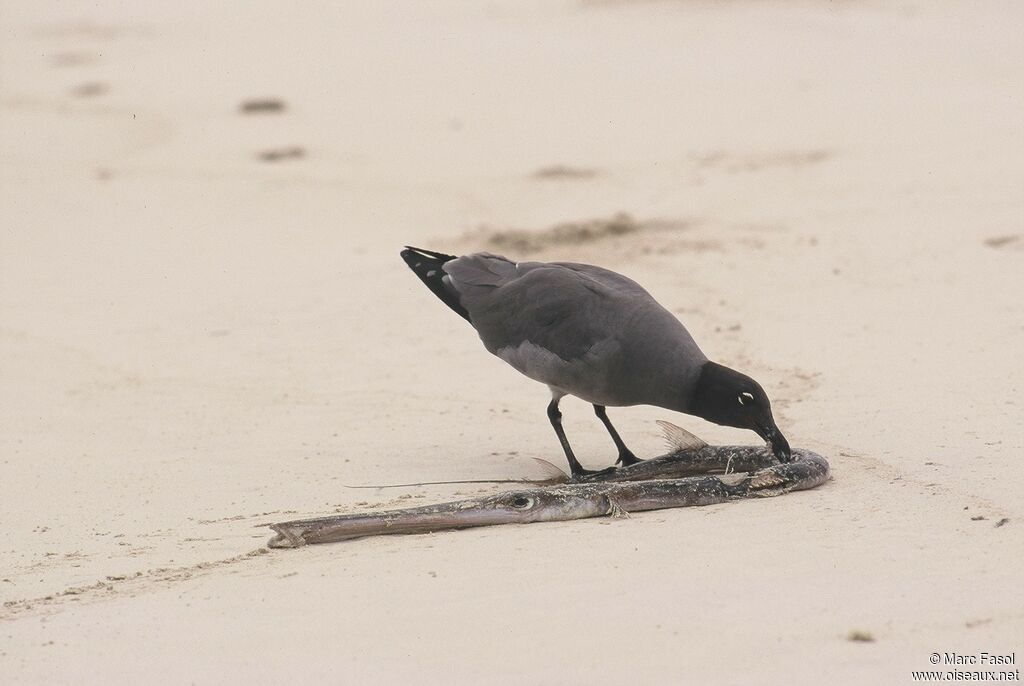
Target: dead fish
x,y
679,479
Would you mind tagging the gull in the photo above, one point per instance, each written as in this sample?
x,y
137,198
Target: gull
x,y
589,332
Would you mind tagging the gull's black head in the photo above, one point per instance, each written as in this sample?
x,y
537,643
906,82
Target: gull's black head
x,y
725,396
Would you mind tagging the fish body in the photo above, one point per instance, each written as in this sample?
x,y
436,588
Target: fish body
x,y
682,478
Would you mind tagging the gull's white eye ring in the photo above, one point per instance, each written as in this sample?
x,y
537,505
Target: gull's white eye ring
x,y
743,395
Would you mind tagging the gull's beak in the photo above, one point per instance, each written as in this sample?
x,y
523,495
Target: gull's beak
x,y
778,442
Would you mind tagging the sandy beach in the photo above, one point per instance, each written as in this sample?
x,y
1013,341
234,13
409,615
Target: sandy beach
x,y
205,327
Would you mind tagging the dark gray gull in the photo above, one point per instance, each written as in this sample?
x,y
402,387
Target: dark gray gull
x,y
589,332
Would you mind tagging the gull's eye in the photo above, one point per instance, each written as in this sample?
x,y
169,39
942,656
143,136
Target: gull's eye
x,y
744,398
521,502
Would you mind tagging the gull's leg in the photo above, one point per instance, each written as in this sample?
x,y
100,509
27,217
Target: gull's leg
x,y
555,415
626,456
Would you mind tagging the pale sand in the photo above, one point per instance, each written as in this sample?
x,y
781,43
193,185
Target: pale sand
x,y
195,342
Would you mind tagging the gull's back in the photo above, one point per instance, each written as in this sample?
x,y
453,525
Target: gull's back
x,y
581,329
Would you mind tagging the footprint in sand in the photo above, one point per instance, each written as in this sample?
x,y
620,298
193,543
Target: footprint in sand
x,y
751,162
74,58
262,106
527,241
1009,242
561,172
91,89
293,152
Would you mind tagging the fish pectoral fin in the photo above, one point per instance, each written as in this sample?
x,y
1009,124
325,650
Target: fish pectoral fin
x,y
679,439
615,511
768,482
552,474
733,479
286,537
770,492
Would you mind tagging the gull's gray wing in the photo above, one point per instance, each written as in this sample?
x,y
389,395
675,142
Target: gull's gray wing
x,y
557,306
578,328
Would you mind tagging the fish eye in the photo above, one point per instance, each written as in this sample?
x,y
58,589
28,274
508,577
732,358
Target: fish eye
x,y
521,502
744,397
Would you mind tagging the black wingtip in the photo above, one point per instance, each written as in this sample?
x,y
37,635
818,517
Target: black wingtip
x,y
427,253
427,265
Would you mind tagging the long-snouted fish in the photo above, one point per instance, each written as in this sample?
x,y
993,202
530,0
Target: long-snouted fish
x,y
682,478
